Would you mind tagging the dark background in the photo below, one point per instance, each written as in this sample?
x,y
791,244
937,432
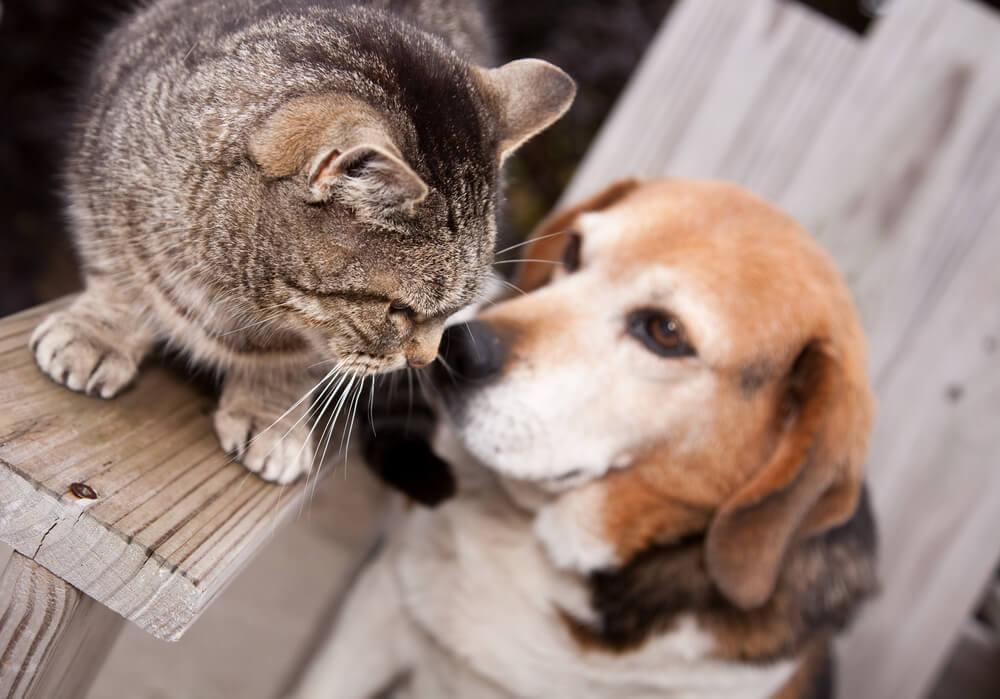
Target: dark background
x,y
45,44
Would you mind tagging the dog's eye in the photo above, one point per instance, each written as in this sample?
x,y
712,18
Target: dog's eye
x,y
660,333
571,253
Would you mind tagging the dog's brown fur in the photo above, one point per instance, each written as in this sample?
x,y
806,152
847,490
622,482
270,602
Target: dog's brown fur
x,y
757,527
792,424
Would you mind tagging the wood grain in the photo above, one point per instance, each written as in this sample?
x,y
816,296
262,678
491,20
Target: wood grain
x,y
53,639
888,149
173,519
253,638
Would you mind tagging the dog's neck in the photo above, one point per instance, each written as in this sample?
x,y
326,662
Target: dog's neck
x,y
825,579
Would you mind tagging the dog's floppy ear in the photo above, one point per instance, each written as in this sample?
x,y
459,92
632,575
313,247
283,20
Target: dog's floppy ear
x,y
547,244
811,483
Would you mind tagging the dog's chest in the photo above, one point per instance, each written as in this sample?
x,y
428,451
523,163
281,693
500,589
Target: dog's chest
x,y
473,578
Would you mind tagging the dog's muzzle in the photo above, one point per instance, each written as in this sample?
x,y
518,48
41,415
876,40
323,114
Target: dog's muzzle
x,y
471,354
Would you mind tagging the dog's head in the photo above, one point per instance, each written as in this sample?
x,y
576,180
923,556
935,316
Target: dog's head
x,y
689,357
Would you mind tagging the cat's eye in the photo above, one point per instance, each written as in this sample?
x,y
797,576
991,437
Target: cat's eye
x,y
400,307
660,333
571,253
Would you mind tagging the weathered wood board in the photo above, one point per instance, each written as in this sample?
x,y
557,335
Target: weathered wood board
x,y
173,518
253,639
888,149
53,639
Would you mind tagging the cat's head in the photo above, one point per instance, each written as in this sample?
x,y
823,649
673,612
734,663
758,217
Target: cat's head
x,y
379,200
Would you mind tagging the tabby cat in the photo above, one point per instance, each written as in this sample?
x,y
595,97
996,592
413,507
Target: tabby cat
x,y
272,184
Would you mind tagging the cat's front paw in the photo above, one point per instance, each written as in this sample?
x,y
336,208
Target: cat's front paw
x,y
277,450
73,355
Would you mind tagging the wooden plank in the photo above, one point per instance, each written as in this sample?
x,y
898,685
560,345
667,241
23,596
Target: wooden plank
x,y
173,519
886,149
258,631
53,639
935,479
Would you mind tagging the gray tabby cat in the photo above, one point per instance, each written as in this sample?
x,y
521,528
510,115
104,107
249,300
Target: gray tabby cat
x,y
274,183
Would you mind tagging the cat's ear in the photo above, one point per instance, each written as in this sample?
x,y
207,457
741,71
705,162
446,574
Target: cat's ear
x,y
367,177
341,145
530,96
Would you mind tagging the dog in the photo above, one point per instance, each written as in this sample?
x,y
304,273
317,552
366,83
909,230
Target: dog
x,y
657,455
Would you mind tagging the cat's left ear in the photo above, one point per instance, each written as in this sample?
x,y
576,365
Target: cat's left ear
x,y
344,150
530,95
367,177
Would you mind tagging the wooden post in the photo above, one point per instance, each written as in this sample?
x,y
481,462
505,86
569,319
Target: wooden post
x,y
53,638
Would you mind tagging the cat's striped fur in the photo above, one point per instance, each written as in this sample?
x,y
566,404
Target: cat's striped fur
x,y
268,184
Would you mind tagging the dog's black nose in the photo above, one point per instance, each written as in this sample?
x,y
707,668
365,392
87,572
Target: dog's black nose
x,y
471,351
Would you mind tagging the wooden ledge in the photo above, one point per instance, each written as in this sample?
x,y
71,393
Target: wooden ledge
x,y
172,519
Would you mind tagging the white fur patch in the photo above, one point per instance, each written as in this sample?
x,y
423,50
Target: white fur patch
x,y
569,530
477,604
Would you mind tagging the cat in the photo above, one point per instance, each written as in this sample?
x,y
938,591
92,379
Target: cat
x,y
274,184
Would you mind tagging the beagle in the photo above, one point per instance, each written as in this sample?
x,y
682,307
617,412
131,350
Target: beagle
x,y
657,454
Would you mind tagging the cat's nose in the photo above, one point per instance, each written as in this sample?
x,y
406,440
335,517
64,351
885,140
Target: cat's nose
x,y
416,362
422,349
472,351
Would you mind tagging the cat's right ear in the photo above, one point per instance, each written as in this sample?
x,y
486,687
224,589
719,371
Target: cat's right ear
x,y
368,178
530,96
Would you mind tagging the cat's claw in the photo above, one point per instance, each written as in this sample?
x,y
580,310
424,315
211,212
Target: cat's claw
x,y
77,358
278,452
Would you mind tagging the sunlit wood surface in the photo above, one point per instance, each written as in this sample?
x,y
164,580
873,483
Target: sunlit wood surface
x,y
172,518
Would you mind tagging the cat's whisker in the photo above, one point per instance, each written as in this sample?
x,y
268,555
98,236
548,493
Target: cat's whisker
x,y
329,428
308,439
425,386
371,407
247,474
472,337
305,416
350,426
409,406
392,377
511,285
344,399
451,372
348,423
315,467
525,259
527,242
326,377
320,362
322,381
330,389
